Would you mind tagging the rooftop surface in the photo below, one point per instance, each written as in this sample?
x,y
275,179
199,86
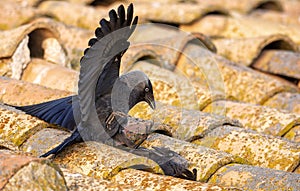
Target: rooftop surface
x,y
226,79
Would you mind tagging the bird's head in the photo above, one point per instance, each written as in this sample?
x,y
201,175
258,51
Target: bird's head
x,y
132,88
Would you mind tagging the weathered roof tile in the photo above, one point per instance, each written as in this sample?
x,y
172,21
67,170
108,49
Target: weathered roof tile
x,y
256,148
15,92
85,17
255,178
144,180
205,160
181,123
245,50
16,127
279,62
47,74
239,82
261,119
185,71
90,158
241,27
20,172
22,14
285,100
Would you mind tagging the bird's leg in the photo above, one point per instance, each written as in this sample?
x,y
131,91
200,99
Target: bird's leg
x,y
74,138
121,138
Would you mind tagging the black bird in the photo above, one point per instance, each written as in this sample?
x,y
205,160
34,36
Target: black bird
x,y
99,111
104,98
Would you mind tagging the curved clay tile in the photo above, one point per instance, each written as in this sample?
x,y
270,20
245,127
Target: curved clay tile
x,y
205,160
269,5
137,54
36,39
245,50
145,180
73,13
26,126
259,118
241,27
175,13
285,100
10,39
50,137
91,158
294,135
51,75
81,1
245,6
73,39
291,7
275,16
21,14
26,3
20,171
255,178
76,181
181,123
8,145
256,148
279,62
15,92
239,82
163,44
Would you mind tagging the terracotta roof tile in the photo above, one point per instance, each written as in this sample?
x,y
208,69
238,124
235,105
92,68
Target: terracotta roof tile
x,y
90,158
143,180
239,82
285,100
244,51
46,74
280,62
85,17
205,160
22,14
236,125
255,178
16,92
261,119
20,172
16,127
258,149
241,27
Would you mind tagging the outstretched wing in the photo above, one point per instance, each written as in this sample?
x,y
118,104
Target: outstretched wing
x,y
100,65
117,47
59,112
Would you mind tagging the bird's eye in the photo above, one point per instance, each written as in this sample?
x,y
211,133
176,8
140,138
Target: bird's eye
x,y
146,89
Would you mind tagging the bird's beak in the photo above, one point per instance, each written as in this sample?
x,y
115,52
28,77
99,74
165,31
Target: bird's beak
x,y
151,101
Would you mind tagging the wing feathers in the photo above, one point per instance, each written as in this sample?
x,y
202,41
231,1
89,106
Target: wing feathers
x,y
129,14
121,12
54,112
105,27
